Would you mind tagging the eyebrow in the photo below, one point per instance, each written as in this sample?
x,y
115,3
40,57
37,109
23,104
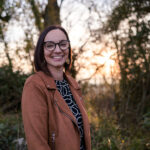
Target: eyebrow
x,y
57,42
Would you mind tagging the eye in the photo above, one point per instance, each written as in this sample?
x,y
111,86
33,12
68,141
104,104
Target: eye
x,y
64,44
50,45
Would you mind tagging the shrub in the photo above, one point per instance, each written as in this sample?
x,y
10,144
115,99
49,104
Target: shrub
x,y
10,89
105,136
11,129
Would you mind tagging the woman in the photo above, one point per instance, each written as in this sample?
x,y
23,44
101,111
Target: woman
x,y
52,107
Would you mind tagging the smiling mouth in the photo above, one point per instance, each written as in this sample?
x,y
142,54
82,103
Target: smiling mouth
x,y
57,57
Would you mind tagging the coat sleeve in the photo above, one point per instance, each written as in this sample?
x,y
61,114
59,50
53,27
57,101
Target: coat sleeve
x,y
35,117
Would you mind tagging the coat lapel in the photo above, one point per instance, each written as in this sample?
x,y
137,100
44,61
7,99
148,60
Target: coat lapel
x,y
64,108
58,99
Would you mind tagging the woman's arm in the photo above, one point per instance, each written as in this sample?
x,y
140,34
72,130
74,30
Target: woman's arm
x,y
35,116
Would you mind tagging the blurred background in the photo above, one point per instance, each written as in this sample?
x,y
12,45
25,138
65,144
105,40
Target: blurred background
x,y
111,61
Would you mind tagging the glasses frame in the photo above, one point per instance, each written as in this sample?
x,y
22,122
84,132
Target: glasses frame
x,y
57,44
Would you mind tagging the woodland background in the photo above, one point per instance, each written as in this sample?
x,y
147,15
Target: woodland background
x,y
118,102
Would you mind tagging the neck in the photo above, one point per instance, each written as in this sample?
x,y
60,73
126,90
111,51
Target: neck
x,y
57,73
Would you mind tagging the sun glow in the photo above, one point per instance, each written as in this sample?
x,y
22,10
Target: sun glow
x,y
97,66
108,61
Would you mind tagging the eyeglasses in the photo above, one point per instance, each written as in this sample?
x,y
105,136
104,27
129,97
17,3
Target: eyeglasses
x,y
50,45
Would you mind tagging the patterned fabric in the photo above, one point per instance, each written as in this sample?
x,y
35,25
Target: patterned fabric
x,y
64,90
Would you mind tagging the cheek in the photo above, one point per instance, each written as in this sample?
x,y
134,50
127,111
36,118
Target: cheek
x,y
45,54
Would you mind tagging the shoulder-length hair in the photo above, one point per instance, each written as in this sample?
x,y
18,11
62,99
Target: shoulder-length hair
x,y
39,60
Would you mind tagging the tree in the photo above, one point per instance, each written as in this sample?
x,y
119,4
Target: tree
x,y
48,16
6,11
133,51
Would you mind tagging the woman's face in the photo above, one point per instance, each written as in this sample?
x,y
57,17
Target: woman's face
x,y
55,57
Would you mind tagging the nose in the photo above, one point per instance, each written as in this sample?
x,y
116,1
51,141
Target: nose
x,y
57,49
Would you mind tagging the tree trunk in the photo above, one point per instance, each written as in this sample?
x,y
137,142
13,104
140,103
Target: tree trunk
x,y
52,14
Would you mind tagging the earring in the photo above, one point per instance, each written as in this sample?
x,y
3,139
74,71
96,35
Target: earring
x,y
67,61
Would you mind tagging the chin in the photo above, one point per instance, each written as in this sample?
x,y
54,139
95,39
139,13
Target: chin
x,y
56,65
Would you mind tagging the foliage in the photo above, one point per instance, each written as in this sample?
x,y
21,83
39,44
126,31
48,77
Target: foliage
x,y
132,44
146,121
124,10
11,129
10,89
106,131
105,136
108,135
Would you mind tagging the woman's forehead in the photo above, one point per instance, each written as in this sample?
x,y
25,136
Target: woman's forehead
x,y
55,35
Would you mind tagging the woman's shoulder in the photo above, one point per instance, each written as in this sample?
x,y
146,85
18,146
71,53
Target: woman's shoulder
x,y
34,79
41,79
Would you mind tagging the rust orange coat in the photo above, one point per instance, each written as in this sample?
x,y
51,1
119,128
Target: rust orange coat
x,y
48,122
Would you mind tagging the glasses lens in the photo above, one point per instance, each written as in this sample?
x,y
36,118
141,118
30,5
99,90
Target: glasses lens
x,y
64,45
50,46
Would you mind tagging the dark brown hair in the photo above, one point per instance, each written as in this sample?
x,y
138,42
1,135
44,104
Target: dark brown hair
x,y
39,60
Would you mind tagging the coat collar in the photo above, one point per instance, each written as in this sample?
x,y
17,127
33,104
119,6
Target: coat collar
x,y
50,83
